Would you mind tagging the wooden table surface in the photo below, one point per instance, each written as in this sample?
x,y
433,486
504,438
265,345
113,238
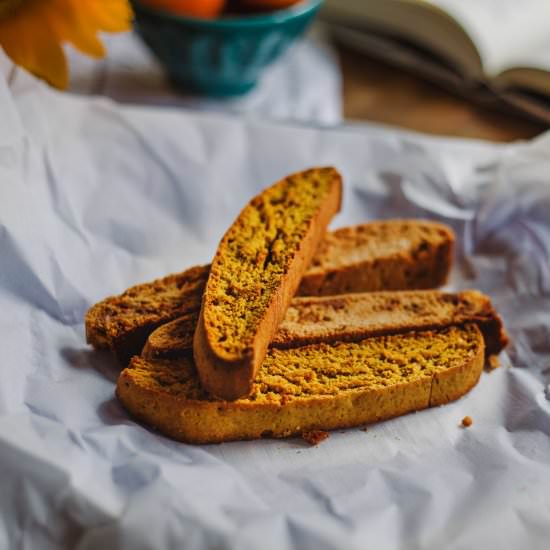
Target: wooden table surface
x,y
378,92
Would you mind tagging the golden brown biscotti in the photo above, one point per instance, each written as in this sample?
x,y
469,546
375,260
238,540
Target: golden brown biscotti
x,y
123,323
412,253
318,387
354,317
172,340
255,273
382,255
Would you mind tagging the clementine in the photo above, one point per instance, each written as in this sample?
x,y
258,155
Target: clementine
x,y
207,9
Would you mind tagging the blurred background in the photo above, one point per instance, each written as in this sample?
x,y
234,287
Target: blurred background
x,y
471,68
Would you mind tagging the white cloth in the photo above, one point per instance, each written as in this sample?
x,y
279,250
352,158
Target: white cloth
x,y
95,197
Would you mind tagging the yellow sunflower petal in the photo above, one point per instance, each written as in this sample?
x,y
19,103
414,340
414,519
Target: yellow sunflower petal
x,y
108,15
34,46
70,24
33,35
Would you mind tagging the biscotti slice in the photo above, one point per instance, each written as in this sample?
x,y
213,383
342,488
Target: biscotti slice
x,y
122,323
318,387
354,317
382,255
172,340
255,274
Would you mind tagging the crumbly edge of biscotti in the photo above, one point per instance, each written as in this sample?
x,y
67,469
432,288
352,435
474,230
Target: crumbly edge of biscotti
x,y
352,317
307,319
122,323
424,263
198,421
388,237
172,340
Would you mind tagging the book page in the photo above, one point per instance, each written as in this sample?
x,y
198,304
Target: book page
x,y
422,23
503,30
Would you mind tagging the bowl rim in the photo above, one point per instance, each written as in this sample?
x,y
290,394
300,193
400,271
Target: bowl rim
x,y
276,17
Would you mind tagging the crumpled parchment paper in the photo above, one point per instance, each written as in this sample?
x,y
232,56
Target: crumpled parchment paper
x,y
95,197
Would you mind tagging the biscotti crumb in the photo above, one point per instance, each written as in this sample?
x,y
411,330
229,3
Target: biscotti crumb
x,y
467,421
494,362
314,437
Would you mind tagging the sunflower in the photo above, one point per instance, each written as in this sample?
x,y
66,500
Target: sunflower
x,y
32,32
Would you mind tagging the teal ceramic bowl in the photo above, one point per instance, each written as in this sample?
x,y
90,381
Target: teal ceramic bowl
x,y
225,56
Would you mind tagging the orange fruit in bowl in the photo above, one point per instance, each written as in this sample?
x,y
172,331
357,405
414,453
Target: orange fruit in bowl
x,y
205,9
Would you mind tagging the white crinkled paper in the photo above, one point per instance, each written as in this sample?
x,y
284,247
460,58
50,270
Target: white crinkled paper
x,y
95,197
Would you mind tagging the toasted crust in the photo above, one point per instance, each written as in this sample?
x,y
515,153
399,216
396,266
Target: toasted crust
x,y
172,340
123,323
354,317
289,400
230,342
381,255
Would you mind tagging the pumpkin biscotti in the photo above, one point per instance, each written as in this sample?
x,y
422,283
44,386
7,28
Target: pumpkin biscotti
x,y
317,387
391,254
354,317
382,255
256,272
123,323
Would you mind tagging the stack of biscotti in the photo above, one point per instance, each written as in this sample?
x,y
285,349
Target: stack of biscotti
x,y
381,255
352,318
255,362
335,362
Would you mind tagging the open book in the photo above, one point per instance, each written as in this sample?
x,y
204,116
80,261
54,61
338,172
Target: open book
x,y
491,48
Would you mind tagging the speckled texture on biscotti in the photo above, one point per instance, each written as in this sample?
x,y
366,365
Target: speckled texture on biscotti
x,y
317,387
123,323
382,255
353,317
256,272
